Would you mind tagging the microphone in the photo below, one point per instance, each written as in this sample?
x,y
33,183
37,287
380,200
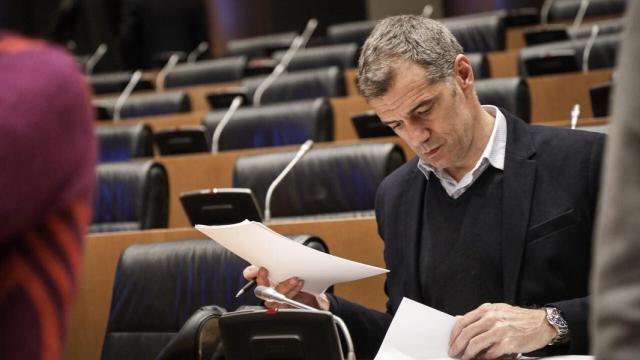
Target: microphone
x,y
575,114
299,42
582,10
166,69
595,29
199,50
95,58
270,294
117,108
427,11
544,11
235,104
267,201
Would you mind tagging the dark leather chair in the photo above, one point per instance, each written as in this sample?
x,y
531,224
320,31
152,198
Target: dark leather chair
x,y
562,10
478,33
159,286
147,104
336,180
602,55
511,94
299,85
356,32
260,46
607,27
130,195
344,56
480,65
206,72
115,82
274,125
123,142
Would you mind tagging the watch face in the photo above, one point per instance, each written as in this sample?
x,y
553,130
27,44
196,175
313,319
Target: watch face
x,y
555,318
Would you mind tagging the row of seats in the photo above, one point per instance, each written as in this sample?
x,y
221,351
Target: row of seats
x,y
273,125
134,195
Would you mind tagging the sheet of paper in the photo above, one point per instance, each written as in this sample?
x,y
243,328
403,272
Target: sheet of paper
x,y
417,332
284,258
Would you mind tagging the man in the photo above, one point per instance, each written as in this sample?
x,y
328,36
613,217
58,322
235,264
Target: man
x,y
491,221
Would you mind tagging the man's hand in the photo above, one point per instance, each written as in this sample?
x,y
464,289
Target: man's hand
x,y
289,288
494,330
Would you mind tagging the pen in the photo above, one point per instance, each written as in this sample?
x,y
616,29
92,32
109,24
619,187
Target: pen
x,y
245,288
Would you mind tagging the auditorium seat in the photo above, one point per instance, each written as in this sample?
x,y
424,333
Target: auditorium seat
x,y
342,55
563,10
299,85
260,46
115,82
123,142
274,124
476,33
146,104
511,94
206,72
157,288
602,54
614,26
130,195
336,180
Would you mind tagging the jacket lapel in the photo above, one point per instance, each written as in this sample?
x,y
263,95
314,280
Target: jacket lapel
x,y
518,186
412,208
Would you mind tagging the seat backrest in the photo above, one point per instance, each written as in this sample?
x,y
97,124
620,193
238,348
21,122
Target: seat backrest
x,y
260,46
115,82
614,26
131,195
356,32
299,85
206,72
567,9
123,142
334,179
511,94
602,55
342,55
158,286
147,104
274,124
478,33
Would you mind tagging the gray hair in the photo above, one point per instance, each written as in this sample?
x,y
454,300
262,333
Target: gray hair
x,y
412,38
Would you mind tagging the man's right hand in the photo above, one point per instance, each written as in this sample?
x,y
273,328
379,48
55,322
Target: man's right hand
x,y
289,288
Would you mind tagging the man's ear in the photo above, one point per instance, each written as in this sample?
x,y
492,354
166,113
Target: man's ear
x,y
463,72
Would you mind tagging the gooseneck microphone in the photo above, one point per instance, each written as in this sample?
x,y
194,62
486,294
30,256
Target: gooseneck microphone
x,y
235,104
586,53
197,52
582,11
166,69
575,114
117,108
95,58
304,148
298,43
269,294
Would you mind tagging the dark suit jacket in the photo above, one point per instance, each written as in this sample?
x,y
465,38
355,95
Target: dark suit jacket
x,y
550,186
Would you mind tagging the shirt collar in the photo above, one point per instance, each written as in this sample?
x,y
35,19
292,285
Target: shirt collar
x,y
494,151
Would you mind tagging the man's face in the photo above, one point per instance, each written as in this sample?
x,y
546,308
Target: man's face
x,y
434,120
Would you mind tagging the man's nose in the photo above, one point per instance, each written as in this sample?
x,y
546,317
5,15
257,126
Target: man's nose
x,y
417,132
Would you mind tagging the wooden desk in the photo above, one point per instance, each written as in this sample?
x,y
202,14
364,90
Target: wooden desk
x,y
355,239
202,171
553,96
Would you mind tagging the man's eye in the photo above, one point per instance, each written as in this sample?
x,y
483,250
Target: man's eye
x,y
423,111
395,125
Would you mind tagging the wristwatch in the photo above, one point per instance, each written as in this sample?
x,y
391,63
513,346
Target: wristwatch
x,y
555,319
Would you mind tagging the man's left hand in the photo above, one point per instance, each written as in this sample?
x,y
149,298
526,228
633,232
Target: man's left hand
x,y
494,330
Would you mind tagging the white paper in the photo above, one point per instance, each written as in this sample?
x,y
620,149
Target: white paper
x,y
261,246
417,332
